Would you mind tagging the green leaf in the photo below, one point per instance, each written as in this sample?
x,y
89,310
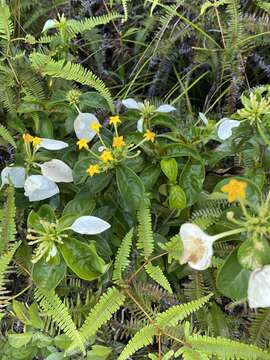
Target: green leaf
x,y
177,197
170,168
254,253
99,352
47,275
174,248
157,275
36,320
21,312
232,279
180,150
19,340
130,187
149,176
80,205
83,259
191,180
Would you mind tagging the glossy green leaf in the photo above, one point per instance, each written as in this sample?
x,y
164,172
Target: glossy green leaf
x,y
47,275
192,179
170,168
149,176
232,279
177,197
83,259
254,253
130,187
19,340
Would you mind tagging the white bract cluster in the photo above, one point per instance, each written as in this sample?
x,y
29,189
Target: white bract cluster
x,y
82,126
146,109
40,187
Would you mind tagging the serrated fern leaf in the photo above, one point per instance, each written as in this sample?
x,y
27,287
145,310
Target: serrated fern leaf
x,y
177,313
8,226
78,27
5,259
157,275
122,258
4,133
190,354
260,327
145,234
53,306
102,312
142,338
6,26
69,71
226,349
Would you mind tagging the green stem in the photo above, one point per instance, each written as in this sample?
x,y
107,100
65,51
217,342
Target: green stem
x,y
228,233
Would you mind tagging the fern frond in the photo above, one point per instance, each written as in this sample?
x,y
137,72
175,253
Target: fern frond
x,y
8,226
226,349
69,71
145,240
78,27
177,313
122,258
102,312
260,328
157,275
142,338
4,133
53,306
5,259
6,25
190,354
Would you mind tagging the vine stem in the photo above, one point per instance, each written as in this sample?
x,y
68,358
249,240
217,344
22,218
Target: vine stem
x,y
143,265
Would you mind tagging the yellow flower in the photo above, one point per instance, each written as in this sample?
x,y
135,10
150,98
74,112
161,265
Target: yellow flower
x,y
236,190
95,127
149,135
27,138
106,156
36,141
114,120
93,169
83,144
118,142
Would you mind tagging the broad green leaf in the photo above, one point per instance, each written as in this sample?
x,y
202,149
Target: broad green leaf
x,y
177,197
47,275
21,312
19,340
83,259
130,187
232,279
254,253
36,320
192,179
180,150
80,205
99,352
170,168
149,176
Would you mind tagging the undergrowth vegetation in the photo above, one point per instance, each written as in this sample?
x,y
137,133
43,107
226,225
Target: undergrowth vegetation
x,y
135,198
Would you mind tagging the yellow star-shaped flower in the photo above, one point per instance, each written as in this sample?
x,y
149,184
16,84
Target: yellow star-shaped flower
x,y
83,144
106,156
95,127
114,120
36,141
149,135
27,138
93,169
118,142
236,190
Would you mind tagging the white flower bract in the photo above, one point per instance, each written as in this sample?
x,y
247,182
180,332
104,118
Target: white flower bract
x,y
82,125
56,170
89,225
198,246
15,175
259,288
225,127
51,144
38,187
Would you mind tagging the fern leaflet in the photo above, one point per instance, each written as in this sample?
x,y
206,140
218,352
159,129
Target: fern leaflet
x,y
145,234
8,226
157,275
122,258
6,26
4,133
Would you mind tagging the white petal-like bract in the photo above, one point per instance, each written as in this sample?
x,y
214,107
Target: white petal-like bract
x,y
203,118
51,144
259,288
130,104
38,187
56,170
225,127
82,125
165,108
49,24
90,225
140,125
15,175
198,246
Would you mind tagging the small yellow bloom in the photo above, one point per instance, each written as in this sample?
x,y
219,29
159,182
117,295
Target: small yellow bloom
x,y
83,144
118,142
93,169
149,135
114,120
27,138
236,190
36,141
95,127
106,156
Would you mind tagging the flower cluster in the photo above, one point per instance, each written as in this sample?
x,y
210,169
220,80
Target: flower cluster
x,y
38,187
87,126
